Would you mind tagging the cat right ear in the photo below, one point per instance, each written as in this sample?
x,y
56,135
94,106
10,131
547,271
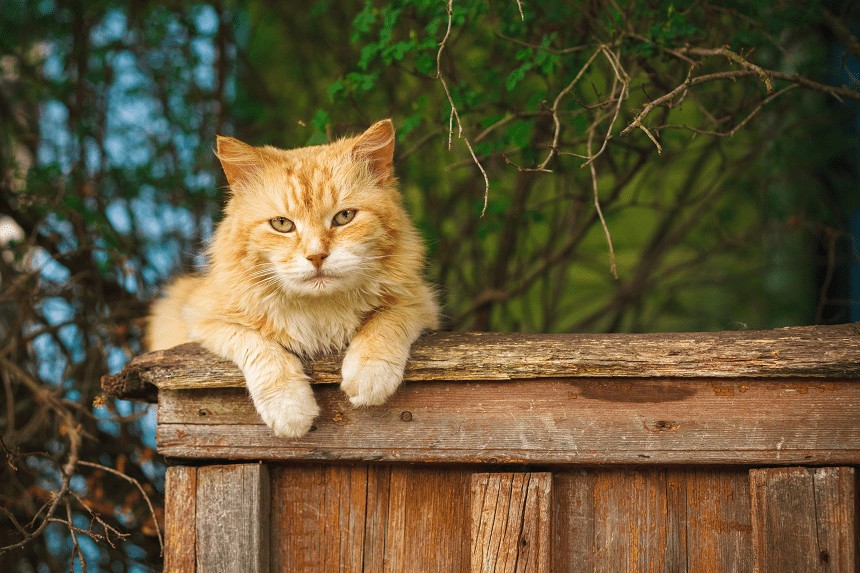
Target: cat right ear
x,y
238,159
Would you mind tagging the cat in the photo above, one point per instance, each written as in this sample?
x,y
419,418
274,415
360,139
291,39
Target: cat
x,y
315,253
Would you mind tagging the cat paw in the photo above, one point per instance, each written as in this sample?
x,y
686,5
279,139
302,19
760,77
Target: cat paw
x,y
290,412
369,382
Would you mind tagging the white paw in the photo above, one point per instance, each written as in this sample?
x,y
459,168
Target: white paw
x,y
369,382
289,411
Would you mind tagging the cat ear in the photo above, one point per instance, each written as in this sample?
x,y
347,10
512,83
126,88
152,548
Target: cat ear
x,y
376,146
238,159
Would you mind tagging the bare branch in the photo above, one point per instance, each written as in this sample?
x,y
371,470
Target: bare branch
x,y
136,483
454,113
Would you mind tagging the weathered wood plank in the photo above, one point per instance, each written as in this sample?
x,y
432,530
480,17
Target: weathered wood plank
x,y
233,518
574,547
664,520
431,505
180,527
819,351
369,518
511,522
635,524
318,518
376,519
718,521
804,519
552,421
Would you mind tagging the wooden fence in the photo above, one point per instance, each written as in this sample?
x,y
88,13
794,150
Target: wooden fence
x,y
705,452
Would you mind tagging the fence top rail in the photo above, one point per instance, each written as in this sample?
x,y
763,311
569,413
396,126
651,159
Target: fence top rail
x,y
793,352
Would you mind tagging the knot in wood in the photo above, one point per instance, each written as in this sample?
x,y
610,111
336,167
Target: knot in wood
x,y
406,416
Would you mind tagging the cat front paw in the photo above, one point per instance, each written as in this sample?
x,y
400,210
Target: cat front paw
x,y
369,382
288,411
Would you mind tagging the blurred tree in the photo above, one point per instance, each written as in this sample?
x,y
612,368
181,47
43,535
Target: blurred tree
x,y
574,166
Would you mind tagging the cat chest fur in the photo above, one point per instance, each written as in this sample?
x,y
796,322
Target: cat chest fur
x,y
316,327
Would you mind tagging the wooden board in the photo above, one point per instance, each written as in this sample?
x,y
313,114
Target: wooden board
x,y
511,528
180,511
622,520
819,351
804,519
718,521
572,421
233,518
369,518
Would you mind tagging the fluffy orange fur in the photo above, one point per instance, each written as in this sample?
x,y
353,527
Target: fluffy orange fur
x,y
315,253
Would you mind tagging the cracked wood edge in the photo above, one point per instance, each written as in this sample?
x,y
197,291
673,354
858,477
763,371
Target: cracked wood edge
x,y
814,351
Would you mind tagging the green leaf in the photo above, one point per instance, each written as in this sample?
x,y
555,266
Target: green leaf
x,y
363,22
518,133
368,52
336,89
321,120
517,76
425,63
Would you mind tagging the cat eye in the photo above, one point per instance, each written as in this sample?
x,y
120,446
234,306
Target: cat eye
x,y
282,224
343,217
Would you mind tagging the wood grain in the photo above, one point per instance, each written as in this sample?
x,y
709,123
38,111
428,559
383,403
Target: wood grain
x,y
680,520
233,518
369,518
511,522
718,521
636,522
804,519
573,421
318,518
819,351
429,520
574,547
180,513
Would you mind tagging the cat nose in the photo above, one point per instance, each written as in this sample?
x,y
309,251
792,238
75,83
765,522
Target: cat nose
x,y
317,259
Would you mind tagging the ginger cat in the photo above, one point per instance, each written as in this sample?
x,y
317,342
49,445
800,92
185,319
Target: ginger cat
x,y
315,253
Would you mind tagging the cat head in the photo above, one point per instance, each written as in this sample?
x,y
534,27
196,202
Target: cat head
x,y
312,221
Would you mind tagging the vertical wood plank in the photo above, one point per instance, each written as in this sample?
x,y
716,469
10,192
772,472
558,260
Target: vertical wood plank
x,y
318,518
510,529
676,520
370,518
718,521
376,522
573,523
428,528
804,519
344,517
298,509
233,518
637,523
836,504
180,508
396,540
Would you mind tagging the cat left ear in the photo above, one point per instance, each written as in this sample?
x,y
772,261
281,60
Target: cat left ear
x,y
376,146
237,159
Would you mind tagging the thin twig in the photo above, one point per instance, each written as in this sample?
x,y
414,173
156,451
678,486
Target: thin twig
x,y
454,114
763,74
76,548
668,97
556,133
741,123
136,483
622,78
613,265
